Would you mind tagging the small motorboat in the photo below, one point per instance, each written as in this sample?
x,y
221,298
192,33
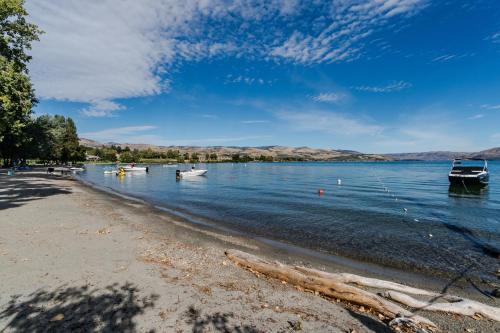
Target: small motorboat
x,y
120,172
190,173
110,172
469,172
132,167
77,169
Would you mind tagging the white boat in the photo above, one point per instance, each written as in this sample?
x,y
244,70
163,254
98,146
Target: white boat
x,y
109,172
76,169
471,171
129,168
190,173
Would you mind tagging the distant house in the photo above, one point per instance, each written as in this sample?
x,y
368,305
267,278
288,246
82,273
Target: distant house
x,y
92,158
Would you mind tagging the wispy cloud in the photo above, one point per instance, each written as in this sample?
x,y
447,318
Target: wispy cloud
x,y
209,116
341,39
246,79
117,134
391,87
98,51
254,121
329,97
449,57
490,106
216,140
476,116
328,122
102,108
428,129
495,38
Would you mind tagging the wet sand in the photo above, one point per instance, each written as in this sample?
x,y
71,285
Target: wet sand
x,y
74,258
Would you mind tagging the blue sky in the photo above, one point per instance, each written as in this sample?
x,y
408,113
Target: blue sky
x,y
374,76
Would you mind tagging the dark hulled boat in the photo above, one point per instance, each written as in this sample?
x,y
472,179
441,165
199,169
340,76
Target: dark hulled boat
x,y
469,172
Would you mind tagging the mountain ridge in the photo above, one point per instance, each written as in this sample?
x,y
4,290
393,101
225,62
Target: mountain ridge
x,y
275,151
305,152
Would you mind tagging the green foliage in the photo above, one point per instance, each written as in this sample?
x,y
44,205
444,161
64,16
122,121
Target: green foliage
x,y
194,158
52,139
105,154
16,101
237,158
213,157
128,157
17,97
173,154
264,158
16,33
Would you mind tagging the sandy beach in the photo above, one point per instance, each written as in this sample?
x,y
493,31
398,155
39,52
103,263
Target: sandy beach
x,y
73,258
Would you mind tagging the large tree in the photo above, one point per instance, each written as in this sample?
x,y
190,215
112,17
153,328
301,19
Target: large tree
x,y
17,96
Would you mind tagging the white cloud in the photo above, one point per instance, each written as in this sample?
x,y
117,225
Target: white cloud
x,y
495,38
449,57
98,51
101,108
328,122
209,116
329,97
350,23
476,116
391,87
117,134
216,140
490,107
254,121
246,79
428,129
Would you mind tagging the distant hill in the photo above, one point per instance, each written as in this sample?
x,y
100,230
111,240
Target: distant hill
x,y
305,153
489,154
276,152
427,156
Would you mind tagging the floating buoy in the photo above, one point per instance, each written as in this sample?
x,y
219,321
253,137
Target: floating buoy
x,y
339,181
430,236
321,191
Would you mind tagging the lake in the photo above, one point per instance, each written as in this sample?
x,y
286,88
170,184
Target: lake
x,y
399,214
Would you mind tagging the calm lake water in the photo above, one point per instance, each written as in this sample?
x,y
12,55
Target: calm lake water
x,y
442,230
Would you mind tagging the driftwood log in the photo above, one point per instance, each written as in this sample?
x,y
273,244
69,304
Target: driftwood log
x,y
340,286
396,292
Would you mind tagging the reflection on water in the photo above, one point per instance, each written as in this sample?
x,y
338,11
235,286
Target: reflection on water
x,y
469,191
402,214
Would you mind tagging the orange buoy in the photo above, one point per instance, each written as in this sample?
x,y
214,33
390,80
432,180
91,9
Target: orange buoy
x,y
321,191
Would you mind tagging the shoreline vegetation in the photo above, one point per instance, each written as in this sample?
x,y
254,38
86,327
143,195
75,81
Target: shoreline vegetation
x,y
146,153
177,272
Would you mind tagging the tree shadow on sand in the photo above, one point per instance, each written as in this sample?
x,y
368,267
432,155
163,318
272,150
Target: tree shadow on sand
x,y
218,322
77,309
16,191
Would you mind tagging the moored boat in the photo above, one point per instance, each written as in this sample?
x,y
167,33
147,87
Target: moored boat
x,y
469,172
132,167
190,173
